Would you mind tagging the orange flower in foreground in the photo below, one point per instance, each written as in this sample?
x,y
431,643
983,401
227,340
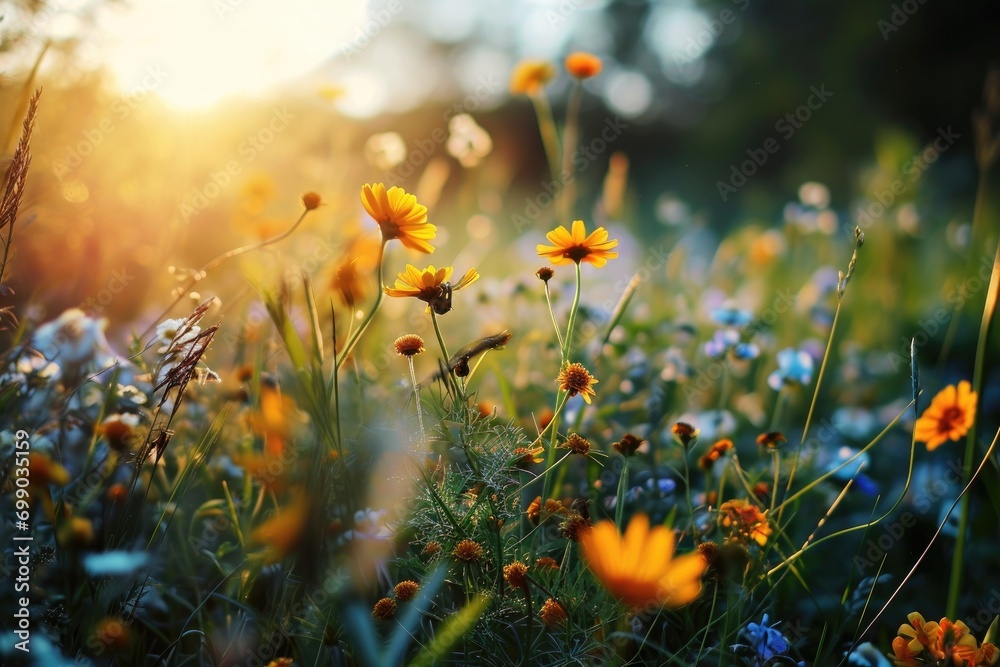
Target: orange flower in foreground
x,y
640,567
282,533
529,76
577,246
583,65
272,419
949,416
432,286
399,216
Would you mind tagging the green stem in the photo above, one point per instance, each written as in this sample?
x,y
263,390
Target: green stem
x,y
812,406
416,398
235,252
687,491
620,498
526,656
550,457
353,341
570,135
779,407
970,444
552,316
568,341
777,473
547,128
459,394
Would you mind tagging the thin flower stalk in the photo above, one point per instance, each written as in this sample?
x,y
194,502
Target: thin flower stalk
x,y
353,340
570,139
552,316
859,239
568,340
970,444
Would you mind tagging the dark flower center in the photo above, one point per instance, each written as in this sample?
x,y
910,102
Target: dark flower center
x,y
576,253
950,418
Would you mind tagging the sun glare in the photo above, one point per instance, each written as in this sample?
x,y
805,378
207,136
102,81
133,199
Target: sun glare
x,y
193,53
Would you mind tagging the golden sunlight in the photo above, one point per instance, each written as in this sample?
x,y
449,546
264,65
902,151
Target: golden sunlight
x,y
193,53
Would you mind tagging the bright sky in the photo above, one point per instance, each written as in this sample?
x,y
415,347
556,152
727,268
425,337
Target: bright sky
x,y
205,50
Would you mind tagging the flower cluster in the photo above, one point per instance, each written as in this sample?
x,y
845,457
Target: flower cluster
x,y
745,521
940,643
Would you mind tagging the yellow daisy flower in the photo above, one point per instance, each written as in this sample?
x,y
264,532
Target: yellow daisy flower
x,y
431,285
399,216
577,246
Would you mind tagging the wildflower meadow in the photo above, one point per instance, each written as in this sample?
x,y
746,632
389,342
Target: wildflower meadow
x,y
561,333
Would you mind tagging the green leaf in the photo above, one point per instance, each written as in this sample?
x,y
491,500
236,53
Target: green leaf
x,y
456,627
991,634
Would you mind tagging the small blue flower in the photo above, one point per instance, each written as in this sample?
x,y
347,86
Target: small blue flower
x,y
794,367
722,341
731,316
726,341
746,351
664,486
766,641
867,655
862,482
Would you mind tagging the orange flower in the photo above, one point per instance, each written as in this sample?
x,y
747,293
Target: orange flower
x,y
988,654
954,641
583,65
577,246
526,456
283,532
43,471
576,379
904,656
746,521
516,574
640,566
949,416
399,216
920,633
360,258
552,614
529,76
272,419
432,286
